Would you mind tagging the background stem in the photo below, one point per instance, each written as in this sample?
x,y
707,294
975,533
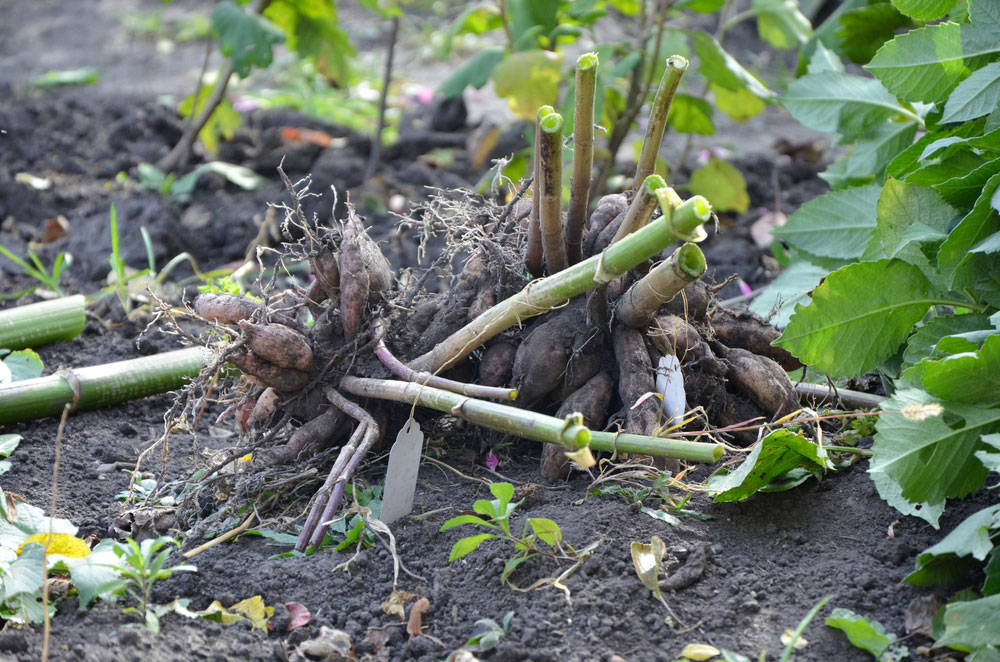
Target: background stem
x,y
38,324
676,66
583,155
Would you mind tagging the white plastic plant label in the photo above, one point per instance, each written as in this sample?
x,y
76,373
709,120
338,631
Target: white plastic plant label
x,y
401,476
670,385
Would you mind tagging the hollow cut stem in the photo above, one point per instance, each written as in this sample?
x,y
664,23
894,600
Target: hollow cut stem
x,y
640,302
533,251
676,66
583,155
550,163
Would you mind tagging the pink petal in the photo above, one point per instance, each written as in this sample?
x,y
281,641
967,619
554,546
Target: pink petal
x,y
300,615
492,461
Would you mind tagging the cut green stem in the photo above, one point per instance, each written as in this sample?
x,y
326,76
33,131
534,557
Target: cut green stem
x,y
583,155
540,296
693,451
641,301
533,251
38,324
568,432
641,209
676,66
686,218
102,385
550,164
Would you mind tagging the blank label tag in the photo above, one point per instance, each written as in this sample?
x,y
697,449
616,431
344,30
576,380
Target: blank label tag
x,y
401,477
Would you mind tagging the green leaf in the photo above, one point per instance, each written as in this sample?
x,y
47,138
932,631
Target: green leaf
x,y
964,189
975,96
24,364
858,316
222,123
95,574
971,538
740,105
245,37
985,13
790,288
869,635
835,225
774,455
978,224
722,69
504,492
924,10
85,76
468,545
245,178
28,520
863,30
546,530
972,624
927,63
24,575
872,151
972,377
909,217
467,519
477,19
8,443
928,458
701,6
722,184
660,514
513,563
922,343
780,23
529,79
627,7
476,72
689,114
840,103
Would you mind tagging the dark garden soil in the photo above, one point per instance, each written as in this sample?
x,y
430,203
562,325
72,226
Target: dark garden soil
x,y
742,575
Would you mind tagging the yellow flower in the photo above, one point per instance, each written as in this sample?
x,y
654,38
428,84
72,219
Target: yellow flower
x,y
62,543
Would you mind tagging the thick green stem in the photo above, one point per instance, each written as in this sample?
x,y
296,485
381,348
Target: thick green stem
x,y
638,305
533,250
550,163
641,209
676,66
540,296
583,155
567,432
686,218
101,385
693,451
38,324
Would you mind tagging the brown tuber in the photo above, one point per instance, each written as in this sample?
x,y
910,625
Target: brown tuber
x,y
591,400
364,274
279,345
225,308
269,374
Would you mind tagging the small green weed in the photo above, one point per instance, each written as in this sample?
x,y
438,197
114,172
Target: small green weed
x,y
144,565
488,633
49,278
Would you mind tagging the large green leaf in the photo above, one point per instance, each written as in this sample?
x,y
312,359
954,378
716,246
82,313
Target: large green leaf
x,y
245,37
858,316
978,224
977,95
773,456
740,105
476,72
790,288
689,114
924,10
721,68
929,459
972,624
892,493
476,19
531,17
871,153
972,377
965,188
985,13
780,23
922,343
910,218
529,79
835,225
949,561
927,63
723,185
863,30
836,102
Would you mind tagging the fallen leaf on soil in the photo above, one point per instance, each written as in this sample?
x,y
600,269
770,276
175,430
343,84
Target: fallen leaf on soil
x,y
414,626
252,609
55,229
291,134
299,613
395,604
699,652
761,229
647,560
920,612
